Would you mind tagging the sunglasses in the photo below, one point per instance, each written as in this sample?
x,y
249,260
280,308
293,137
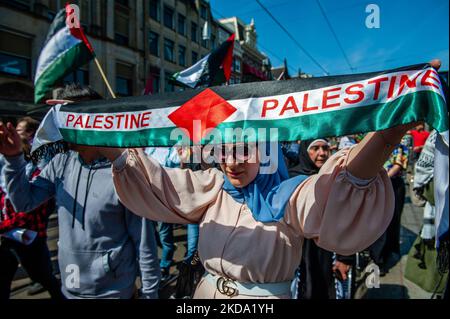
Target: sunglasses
x,y
239,153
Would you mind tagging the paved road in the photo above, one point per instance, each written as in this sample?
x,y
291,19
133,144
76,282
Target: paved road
x,y
393,285
22,282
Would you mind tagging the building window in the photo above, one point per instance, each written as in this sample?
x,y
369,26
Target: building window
x,y
123,3
194,57
79,76
14,65
168,83
241,32
181,55
20,4
236,65
194,32
168,17
121,29
168,50
153,39
154,9
154,80
52,9
84,14
181,24
204,43
204,12
15,55
156,84
123,86
213,42
124,79
152,84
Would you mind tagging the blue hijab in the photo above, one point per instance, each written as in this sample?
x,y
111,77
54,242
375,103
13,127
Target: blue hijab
x,y
268,194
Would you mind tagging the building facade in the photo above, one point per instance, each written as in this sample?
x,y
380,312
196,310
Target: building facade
x,y
255,65
115,29
179,34
139,43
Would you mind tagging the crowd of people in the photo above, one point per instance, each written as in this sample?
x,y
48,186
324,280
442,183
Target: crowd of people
x,y
293,233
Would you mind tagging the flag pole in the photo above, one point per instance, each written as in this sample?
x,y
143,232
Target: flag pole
x,y
104,77
69,10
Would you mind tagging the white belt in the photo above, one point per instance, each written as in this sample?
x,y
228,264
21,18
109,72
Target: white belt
x,y
233,288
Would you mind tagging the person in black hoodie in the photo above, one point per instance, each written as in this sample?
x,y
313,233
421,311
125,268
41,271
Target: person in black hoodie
x,y
317,270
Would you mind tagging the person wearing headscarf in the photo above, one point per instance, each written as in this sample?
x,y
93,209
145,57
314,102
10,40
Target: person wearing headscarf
x,y
316,272
253,218
309,163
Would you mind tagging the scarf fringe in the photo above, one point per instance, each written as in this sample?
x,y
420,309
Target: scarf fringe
x,y
48,151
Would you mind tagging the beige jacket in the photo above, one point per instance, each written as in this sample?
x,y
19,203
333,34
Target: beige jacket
x,y
329,207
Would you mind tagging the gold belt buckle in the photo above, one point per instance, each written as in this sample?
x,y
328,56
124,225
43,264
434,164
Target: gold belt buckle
x,y
227,286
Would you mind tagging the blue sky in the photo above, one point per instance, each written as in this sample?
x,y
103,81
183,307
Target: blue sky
x,y
411,31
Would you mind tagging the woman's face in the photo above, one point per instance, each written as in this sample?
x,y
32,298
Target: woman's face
x,y
21,129
240,164
319,152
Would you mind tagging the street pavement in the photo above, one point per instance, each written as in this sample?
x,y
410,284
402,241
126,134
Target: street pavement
x,y
392,286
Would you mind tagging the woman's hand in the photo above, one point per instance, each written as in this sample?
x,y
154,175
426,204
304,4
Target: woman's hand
x,y
395,170
436,63
10,142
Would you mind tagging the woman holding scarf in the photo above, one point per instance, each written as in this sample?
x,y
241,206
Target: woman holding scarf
x,y
253,220
252,225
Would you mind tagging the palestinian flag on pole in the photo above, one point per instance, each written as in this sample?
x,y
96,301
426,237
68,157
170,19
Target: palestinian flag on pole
x,y
213,69
292,110
66,48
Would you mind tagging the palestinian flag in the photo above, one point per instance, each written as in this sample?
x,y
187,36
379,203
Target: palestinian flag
x,y
213,69
66,48
288,110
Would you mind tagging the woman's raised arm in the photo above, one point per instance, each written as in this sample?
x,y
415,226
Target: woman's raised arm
x,y
367,158
171,195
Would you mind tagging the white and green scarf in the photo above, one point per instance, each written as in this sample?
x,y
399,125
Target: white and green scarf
x,y
296,109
